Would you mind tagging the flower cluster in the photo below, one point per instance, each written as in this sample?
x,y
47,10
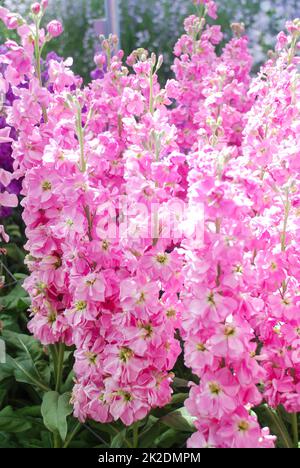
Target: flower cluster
x,y
87,155
240,322
270,152
220,343
151,212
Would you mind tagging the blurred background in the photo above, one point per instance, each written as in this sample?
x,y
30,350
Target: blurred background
x,y
156,24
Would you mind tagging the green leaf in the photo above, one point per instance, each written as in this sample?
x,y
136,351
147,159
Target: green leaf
x,y
118,440
180,383
33,411
27,366
15,253
267,416
6,440
180,420
10,421
10,321
171,438
69,382
55,409
3,394
25,371
6,370
15,299
106,428
147,437
26,344
178,398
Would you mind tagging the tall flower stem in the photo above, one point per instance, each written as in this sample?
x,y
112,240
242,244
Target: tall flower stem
x,y
38,54
72,434
80,135
280,427
59,366
294,418
56,440
151,103
287,207
135,430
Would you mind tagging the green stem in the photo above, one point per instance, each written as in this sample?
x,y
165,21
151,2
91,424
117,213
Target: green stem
x,y
56,440
80,135
280,426
72,435
108,54
285,221
291,52
53,352
59,366
38,52
151,104
294,418
135,440
201,11
89,220
218,225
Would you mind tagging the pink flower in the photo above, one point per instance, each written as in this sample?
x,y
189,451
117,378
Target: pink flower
x,y
8,199
215,396
90,287
241,431
4,135
282,41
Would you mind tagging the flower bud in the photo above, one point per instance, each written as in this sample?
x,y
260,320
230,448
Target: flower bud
x,y
114,39
105,44
99,60
159,62
55,28
36,8
238,29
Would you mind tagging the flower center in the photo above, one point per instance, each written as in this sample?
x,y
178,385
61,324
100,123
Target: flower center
x,y
80,305
162,258
171,312
211,299
148,330
243,426
229,331
142,298
273,266
214,388
200,347
125,354
90,282
51,317
127,396
105,245
91,357
46,185
238,269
